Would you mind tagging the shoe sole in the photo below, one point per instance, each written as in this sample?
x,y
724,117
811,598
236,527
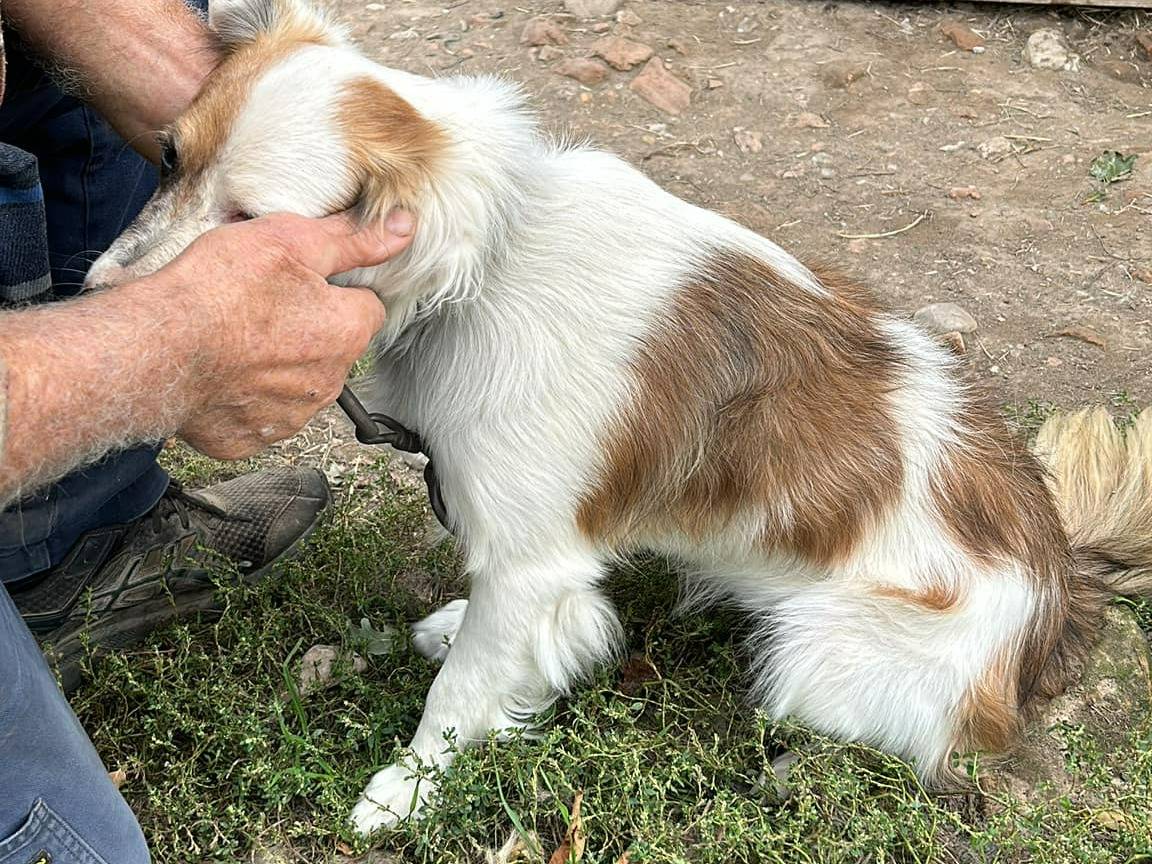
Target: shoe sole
x,y
121,632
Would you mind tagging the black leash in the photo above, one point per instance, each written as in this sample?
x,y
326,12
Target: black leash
x,y
368,431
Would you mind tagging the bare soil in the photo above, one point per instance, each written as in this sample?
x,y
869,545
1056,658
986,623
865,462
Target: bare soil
x,y
1034,256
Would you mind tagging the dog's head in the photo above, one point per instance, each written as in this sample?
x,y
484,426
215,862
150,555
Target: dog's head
x,y
293,119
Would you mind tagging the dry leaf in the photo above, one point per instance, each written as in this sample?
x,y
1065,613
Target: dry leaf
x,y
1084,334
118,777
572,849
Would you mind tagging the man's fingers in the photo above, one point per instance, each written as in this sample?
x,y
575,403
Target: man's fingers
x,y
359,305
336,244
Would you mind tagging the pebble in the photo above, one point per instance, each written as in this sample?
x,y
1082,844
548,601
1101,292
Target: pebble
x,y
548,53
680,46
957,193
587,71
994,147
317,668
661,88
601,27
1046,49
592,8
541,31
809,120
945,318
628,18
747,141
962,36
621,53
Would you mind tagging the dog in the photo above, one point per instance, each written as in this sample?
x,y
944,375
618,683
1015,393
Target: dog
x,y
599,367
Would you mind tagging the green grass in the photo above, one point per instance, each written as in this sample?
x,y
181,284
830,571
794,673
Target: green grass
x,y
222,754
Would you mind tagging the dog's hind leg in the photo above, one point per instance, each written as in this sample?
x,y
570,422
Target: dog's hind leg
x,y
530,630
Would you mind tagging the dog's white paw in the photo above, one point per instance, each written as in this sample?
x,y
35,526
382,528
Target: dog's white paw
x,y
433,636
392,795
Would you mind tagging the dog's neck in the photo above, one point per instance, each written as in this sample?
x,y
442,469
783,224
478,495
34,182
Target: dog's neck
x,y
469,212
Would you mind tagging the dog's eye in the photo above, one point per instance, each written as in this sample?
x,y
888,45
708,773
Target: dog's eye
x,y
169,160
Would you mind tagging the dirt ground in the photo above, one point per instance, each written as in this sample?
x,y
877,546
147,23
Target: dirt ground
x,y
860,118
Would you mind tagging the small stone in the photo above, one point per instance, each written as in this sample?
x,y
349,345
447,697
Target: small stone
x,y
680,46
994,148
919,93
318,667
601,27
747,141
587,71
1053,362
809,120
962,36
957,193
661,88
945,318
1046,49
541,31
628,18
591,8
548,53
842,75
1144,275
621,53
585,98
715,83
1144,40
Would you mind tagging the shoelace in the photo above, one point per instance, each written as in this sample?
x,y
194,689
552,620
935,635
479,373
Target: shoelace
x,y
176,502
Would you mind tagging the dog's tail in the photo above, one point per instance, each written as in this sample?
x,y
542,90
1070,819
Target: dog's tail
x,y
1102,481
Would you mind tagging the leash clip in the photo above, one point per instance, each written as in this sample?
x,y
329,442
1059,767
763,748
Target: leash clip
x,y
368,431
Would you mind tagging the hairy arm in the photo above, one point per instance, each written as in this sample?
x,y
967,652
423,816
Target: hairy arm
x,y
139,62
234,344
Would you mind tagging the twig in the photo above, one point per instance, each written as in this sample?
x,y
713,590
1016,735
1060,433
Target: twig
x,y
880,236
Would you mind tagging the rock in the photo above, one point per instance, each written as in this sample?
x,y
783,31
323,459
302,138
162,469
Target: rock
x,y
621,53
680,46
962,36
808,120
1046,49
994,148
1144,40
661,88
1143,274
1111,695
548,53
747,141
591,8
628,18
587,71
957,193
601,27
842,75
318,668
945,318
541,31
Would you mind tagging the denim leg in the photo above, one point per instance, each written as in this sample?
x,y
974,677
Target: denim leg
x,y
94,185
55,795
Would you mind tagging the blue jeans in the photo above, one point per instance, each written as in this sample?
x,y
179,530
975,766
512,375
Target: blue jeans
x,y
93,185
56,801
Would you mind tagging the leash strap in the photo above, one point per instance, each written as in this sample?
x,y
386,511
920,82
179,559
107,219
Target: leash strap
x,y
368,431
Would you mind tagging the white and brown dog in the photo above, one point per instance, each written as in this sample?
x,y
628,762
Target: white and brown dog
x,y
600,367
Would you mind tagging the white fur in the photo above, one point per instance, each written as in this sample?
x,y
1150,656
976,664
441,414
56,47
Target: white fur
x,y
536,273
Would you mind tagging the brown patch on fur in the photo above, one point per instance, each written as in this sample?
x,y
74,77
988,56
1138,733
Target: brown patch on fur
x,y
934,598
392,144
756,395
204,127
990,717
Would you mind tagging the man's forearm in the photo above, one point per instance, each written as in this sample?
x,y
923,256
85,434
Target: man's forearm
x,y
86,376
139,62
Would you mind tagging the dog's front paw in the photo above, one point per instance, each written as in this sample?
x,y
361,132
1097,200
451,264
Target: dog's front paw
x,y
392,795
433,636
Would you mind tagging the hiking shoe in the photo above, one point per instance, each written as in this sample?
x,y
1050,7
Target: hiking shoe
x,y
118,583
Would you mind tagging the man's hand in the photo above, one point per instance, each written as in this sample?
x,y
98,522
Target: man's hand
x,y
274,341
234,344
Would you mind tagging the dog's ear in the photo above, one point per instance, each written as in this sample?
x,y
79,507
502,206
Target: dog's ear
x,y
236,22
